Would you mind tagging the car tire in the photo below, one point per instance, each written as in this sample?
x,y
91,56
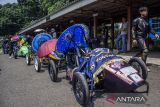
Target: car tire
x,y
140,66
80,88
28,59
53,71
37,64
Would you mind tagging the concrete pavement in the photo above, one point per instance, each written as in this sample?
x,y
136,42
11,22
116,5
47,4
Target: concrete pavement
x,y
21,86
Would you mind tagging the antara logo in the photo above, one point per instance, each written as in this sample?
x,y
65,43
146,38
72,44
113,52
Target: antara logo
x,y
126,99
130,99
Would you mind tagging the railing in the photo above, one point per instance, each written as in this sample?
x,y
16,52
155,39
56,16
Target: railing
x,y
57,9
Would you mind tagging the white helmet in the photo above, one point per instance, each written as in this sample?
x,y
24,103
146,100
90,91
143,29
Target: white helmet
x,y
39,30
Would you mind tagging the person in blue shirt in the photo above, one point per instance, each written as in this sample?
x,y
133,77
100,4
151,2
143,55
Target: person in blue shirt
x,y
121,41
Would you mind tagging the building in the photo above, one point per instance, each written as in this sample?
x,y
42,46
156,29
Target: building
x,y
94,13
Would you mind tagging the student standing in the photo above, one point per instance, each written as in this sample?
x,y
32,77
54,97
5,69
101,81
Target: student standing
x,y
141,29
121,41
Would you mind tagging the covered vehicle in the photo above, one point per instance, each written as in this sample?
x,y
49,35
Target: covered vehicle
x,y
39,39
102,67
73,37
22,46
37,42
87,69
19,46
32,51
47,48
23,50
69,45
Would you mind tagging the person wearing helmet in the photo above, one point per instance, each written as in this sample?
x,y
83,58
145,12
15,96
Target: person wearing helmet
x,y
141,30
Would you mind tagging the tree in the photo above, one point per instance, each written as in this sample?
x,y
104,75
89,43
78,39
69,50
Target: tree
x,y
14,16
49,6
31,7
10,19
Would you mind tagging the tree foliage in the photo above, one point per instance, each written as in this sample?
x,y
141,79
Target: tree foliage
x,y
10,18
15,16
49,6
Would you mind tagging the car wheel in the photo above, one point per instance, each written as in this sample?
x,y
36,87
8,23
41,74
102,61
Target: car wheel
x,y
140,66
80,88
37,64
28,59
53,71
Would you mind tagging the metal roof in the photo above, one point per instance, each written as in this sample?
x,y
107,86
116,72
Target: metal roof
x,y
62,11
84,9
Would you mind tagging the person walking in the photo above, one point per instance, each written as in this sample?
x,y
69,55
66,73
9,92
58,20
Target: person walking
x,y
141,30
10,46
121,41
5,46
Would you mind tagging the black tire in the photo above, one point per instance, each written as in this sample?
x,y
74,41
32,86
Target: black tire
x,y
53,71
37,64
28,59
140,66
80,88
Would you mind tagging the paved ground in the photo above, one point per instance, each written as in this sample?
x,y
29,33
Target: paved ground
x,y
21,86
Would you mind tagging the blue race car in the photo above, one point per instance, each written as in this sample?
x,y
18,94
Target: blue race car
x,y
102,68
69,48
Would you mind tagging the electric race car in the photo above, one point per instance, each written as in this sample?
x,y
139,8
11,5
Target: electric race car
x,y
37,42
101,67
19,46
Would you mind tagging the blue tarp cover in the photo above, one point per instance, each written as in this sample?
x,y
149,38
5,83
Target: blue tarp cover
x,y
92,65
77,38
38,39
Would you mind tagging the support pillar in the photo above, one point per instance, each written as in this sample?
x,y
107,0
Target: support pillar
x,y
60,27
112,32
95,24
129,18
